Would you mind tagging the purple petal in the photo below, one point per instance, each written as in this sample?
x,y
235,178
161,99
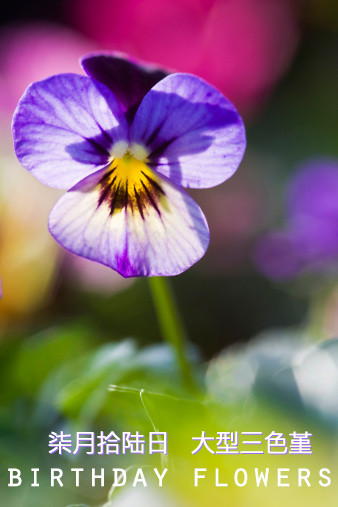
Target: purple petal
x,y
313,192
165,239
312,246
278,256
193,133
128,80
317,239
64,127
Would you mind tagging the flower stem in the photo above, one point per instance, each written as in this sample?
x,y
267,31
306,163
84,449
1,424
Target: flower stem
x,y
171,326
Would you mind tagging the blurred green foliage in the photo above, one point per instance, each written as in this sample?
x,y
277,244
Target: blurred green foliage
x,y
60,379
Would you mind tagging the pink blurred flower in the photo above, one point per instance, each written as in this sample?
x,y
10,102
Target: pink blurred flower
x,y
32,52
248,45
29,258
241,46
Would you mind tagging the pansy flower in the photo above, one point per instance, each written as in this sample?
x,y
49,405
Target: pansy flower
x,y
124,141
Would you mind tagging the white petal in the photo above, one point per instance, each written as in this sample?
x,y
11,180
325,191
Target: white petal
x,y
166,240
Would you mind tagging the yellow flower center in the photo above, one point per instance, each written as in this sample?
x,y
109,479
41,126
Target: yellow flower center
x,y
129,182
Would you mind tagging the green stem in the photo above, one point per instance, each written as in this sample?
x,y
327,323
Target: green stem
x,y
171,325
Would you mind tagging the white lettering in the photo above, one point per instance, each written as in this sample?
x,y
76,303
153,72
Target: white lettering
x,y
98,476
35,483
160,477
281,476
219,484
77,475
120,477
261,477
139,477
56,474
198,476
245,477
303,477
328,480
14,474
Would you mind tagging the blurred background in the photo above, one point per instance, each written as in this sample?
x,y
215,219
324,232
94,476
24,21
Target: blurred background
x,y
263,300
